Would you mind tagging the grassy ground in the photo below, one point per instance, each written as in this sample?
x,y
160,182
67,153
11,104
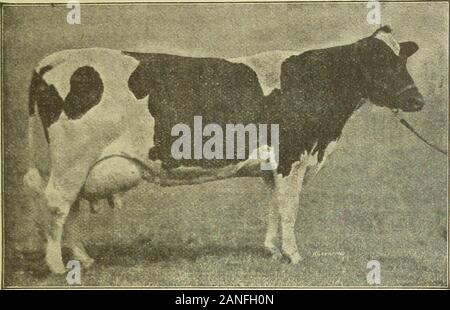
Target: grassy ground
x,y
381,196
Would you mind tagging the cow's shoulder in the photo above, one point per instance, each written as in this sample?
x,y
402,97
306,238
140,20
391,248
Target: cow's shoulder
x,y
305,70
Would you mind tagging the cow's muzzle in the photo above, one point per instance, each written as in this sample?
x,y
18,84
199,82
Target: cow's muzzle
x,y
409,99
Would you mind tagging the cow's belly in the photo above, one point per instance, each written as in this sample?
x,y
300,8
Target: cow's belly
x,y
118,173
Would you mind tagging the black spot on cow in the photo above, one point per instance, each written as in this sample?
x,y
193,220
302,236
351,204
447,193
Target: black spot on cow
x,y
45,97
86,89
180,88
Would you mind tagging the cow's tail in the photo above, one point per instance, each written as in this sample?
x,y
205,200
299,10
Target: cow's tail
x,y
38,144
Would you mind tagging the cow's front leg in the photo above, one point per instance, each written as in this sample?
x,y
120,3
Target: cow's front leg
x,y
288,192
288,211
72,236
271,242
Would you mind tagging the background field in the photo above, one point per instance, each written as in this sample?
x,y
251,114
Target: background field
x,y
382,195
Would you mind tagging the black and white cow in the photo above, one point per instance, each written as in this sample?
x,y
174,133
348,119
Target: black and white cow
x,y
107,116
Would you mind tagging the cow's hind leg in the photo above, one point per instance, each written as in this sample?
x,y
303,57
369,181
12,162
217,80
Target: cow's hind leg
x,y
73,236
59,204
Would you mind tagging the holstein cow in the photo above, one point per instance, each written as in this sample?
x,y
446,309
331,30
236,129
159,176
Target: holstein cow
x,y
107,116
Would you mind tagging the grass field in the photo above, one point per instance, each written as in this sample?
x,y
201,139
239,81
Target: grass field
x,y
376,199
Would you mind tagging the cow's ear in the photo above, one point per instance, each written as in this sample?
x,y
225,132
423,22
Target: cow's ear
x,y
408,48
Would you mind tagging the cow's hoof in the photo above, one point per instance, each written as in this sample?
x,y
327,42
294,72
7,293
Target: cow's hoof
x,y
54,260
277,256
87,263
95,206
294,259
57,268
274,252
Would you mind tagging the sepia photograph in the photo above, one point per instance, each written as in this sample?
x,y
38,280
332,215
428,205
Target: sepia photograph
x,y
281,145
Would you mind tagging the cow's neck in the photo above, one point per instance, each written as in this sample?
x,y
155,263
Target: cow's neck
x,y
329,92
347,86
317,104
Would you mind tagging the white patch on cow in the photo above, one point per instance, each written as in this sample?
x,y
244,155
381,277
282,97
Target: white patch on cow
x,y
265,153
288,189
34,181
389,40
314,169
295,177
119,123
328,150
267,66
264,156
331,147
78,144
137,138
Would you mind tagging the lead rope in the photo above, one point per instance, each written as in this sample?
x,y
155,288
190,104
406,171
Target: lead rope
x,y
407,125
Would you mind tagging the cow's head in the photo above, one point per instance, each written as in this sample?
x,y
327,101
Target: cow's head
x,y
383,63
